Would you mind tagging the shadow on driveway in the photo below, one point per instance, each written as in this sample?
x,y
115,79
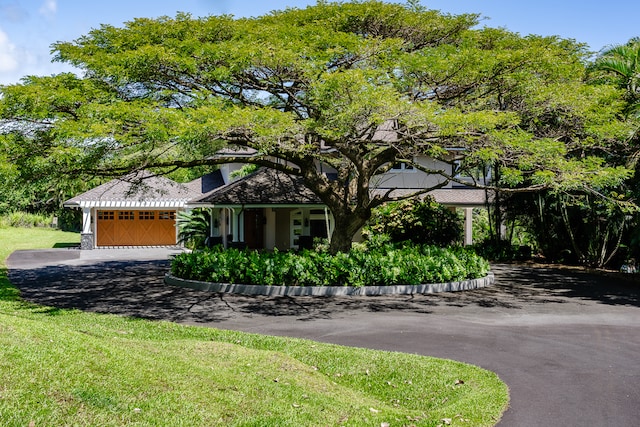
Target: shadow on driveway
x,y
137,289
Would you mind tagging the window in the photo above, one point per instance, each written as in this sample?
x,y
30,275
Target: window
x,y
126,215
167,215
399,167
106,215
476,174
146,215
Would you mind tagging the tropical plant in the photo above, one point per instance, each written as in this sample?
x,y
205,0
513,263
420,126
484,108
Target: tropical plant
x,y
620,65
575,228
384,265
194,228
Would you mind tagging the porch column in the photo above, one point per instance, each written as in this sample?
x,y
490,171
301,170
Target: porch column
x,y
224,226
468,226
212,222
236,225
327,223
86,236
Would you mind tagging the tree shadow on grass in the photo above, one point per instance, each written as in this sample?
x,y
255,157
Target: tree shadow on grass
x,y
8,292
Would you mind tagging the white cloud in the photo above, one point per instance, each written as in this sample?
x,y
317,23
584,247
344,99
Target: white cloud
x,y
49,8
8,61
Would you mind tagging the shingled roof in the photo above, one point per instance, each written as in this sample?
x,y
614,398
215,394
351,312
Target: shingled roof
x,y
264,187
458,197
141,189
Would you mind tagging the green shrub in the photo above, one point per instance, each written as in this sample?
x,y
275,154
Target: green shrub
x,y
26,220
193,228
423,222
385,265
502,251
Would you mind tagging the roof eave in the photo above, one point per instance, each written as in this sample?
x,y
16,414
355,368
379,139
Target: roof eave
x,y
256,205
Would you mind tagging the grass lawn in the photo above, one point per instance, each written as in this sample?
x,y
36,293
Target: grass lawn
x,y
66,367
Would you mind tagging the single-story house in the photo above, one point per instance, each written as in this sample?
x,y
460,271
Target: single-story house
x,y
267,209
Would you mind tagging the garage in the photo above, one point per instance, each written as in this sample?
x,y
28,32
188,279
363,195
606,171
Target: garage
x,y
136,210
135,228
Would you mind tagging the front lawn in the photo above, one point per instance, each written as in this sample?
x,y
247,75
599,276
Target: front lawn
x,y
66,367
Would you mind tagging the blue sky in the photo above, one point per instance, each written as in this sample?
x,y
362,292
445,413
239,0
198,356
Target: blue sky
x,y
29,27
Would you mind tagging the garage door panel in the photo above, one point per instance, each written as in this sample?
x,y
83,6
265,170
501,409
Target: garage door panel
x,y
136,228
106,225
166,227
146,228
126,228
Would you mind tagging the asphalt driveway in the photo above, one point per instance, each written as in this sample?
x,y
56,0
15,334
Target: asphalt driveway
x,y
567,343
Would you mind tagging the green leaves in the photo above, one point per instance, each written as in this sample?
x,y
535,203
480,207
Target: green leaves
x,y
380,266
420,222
620,65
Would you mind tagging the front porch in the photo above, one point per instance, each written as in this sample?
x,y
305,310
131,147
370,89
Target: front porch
x,y
269,227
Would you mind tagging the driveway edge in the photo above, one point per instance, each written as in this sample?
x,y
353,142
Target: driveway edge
x,y
234,288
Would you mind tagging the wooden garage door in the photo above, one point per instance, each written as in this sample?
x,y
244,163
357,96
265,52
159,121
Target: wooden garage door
x,y
136,228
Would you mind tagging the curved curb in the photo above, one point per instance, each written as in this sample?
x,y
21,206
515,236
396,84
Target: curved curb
x,y
234,288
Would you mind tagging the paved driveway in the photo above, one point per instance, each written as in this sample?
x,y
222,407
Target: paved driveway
x,y
567,343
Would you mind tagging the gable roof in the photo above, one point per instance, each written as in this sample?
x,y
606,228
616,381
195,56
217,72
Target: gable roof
x,y
136,190
264,187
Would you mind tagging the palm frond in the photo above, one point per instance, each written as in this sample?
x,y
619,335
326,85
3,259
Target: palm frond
x,y
193,227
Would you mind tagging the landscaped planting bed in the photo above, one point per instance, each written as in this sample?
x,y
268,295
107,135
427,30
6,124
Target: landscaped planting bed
x,y
383,266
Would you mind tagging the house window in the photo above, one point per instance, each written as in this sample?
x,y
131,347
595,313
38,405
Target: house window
x,y
167,215
126,215
478,174
106,215
401,167
146,215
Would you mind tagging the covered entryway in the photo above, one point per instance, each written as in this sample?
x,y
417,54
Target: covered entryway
x,y
135,228
268,209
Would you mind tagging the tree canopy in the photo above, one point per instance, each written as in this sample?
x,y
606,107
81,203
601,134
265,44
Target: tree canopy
x,y
327,84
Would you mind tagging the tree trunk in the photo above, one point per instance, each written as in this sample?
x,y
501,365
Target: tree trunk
x,y
346,227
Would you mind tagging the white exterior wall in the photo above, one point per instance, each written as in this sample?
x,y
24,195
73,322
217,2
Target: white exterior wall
x,y
413,178
227,168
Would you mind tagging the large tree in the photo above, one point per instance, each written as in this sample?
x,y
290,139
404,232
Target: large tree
x,y
354,86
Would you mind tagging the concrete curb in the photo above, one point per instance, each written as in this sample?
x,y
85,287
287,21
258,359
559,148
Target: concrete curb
x,y
291,291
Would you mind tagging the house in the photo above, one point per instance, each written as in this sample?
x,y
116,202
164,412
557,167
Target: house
x,y
267,209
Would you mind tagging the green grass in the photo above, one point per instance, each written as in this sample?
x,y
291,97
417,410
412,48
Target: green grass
x,y
66,367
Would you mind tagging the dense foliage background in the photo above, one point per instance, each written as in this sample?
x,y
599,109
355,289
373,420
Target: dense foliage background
x,y
418,221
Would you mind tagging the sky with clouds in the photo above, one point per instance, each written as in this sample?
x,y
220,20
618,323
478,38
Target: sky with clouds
x,y
29,27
